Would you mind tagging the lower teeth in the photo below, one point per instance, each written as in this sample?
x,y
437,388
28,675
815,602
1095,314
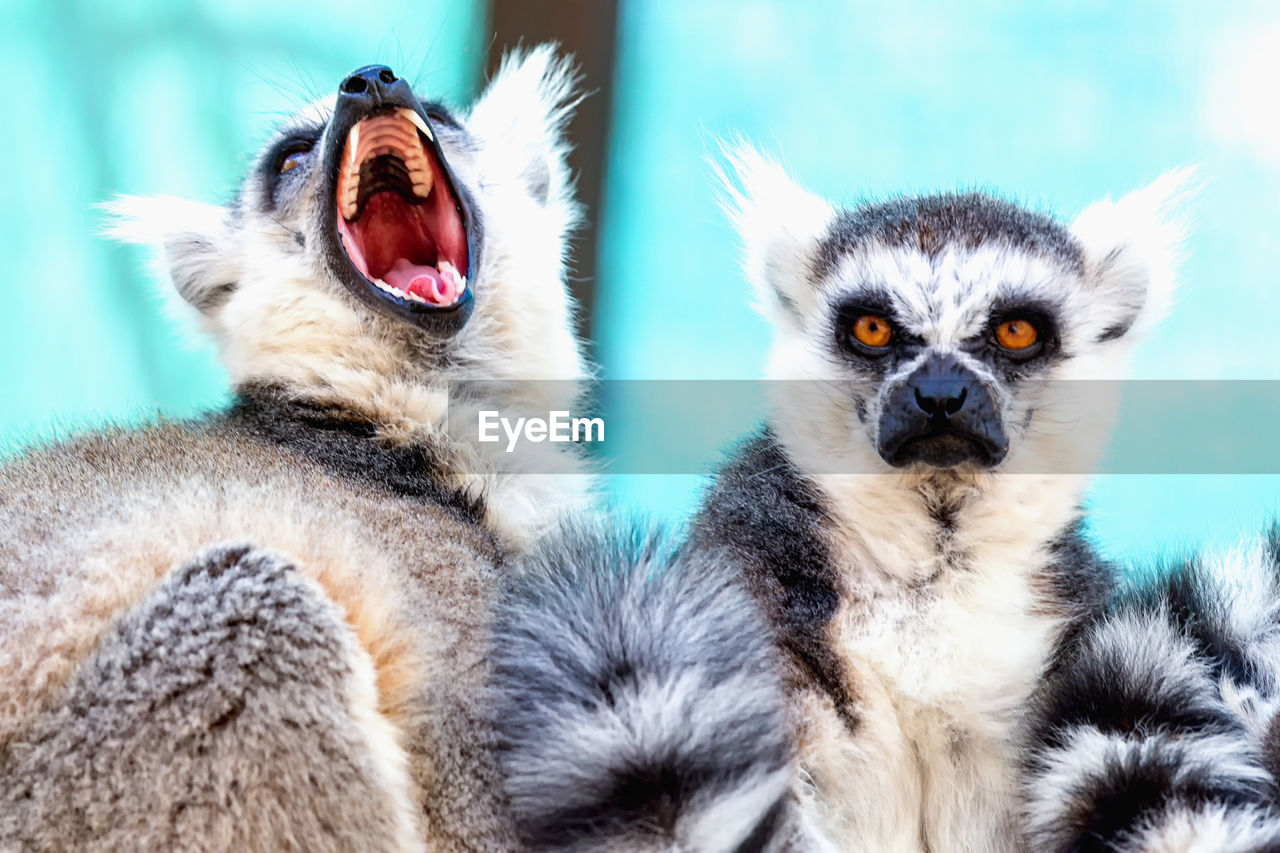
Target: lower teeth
x,y
386,288
446,269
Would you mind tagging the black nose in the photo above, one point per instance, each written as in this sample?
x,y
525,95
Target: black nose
x,y
940,387
943,415
373,85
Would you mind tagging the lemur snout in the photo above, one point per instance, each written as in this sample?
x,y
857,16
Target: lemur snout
x,y
940,397
943,415
373,83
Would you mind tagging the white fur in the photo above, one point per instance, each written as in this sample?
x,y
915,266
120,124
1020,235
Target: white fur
x,y
1133,247
523,116
1208,829
777,221
941,672
723,825
1246,595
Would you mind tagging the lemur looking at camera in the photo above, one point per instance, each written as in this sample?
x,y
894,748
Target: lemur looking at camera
x,y
269,627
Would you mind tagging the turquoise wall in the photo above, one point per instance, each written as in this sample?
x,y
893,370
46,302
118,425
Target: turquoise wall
x,y
1056,104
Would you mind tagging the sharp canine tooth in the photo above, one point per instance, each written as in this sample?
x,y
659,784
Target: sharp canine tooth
x,y
417,122
353,144
387,135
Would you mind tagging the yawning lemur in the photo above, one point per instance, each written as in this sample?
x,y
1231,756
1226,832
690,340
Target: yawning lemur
x,y
266,628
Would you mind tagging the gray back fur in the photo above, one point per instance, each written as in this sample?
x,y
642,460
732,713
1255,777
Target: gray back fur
x,y
198,722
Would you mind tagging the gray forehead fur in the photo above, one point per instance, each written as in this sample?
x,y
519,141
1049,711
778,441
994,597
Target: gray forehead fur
x,y
935,222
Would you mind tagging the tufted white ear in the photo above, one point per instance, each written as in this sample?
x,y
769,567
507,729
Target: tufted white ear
x,y
780,224
194,239
523,112
1132,248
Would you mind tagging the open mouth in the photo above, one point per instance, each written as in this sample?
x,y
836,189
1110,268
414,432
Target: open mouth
x,y
399,218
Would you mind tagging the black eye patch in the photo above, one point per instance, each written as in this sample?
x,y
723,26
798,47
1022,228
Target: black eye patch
x,y
866,329
1020,335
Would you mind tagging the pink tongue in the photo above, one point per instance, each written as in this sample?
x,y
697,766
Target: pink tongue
x,y
423,281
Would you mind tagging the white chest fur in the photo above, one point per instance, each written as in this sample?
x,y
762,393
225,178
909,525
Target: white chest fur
x,y
941,644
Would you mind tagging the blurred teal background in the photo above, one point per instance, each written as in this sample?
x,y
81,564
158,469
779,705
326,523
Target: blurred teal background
x,y
1055,104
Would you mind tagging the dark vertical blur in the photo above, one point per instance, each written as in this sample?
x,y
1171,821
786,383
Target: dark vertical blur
x,y
588,30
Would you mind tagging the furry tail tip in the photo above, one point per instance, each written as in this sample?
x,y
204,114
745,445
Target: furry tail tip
x,y
639,705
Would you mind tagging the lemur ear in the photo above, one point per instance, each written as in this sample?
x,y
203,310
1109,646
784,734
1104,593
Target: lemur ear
x,y
1132,248
780,224
194,242
523,113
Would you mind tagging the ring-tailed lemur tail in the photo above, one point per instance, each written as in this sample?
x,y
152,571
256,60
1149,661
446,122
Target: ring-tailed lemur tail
x,y
640,707
1154,729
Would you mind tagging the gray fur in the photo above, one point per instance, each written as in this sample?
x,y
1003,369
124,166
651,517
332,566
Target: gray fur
x,y
105,515
194,726
934,223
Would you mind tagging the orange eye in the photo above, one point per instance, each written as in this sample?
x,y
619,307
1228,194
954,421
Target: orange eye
x,y
872,330
1016,334
293,161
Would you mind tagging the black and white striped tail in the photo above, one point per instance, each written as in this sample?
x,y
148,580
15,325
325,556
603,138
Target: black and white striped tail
x,y
1153,729
638,702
